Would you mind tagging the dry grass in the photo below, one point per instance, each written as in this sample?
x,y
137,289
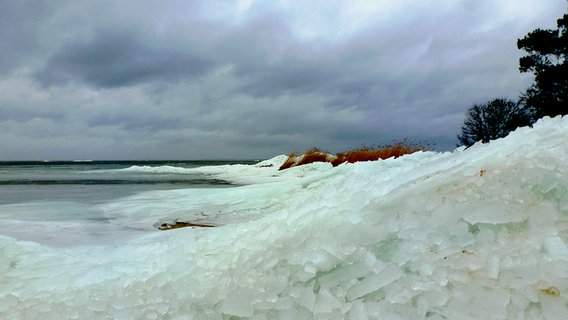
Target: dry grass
x,y
373,154
356,155
290,162
310,156
313,155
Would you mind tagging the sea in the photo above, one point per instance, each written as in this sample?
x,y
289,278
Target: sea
x,y
63,203
99,181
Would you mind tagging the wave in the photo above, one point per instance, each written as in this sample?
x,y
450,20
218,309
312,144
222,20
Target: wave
x,y
156,169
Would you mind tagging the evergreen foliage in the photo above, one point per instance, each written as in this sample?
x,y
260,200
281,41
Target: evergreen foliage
x,y
547,59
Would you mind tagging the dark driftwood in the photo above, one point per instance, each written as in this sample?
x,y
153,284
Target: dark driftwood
x,y
183,224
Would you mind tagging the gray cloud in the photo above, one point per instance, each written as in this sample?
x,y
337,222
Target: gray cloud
x,y
195,79
111,59
20,36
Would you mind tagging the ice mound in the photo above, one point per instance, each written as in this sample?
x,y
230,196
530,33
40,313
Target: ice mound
x,y
479,233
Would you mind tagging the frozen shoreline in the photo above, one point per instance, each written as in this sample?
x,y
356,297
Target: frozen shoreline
x,y
425,236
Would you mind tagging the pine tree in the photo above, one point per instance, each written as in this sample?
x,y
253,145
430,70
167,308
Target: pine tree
x,y
547,59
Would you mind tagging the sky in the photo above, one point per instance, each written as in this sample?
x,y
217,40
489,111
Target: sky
x,y
200,79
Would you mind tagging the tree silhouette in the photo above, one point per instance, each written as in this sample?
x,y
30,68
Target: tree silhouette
x,y
492,120
547,59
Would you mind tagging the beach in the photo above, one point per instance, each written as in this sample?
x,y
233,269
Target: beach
x,y
474,233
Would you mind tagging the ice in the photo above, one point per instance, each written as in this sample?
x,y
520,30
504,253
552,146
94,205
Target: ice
x,y
374,282
493,264
325,302
553,307
471,234
238,304
342,274
555,248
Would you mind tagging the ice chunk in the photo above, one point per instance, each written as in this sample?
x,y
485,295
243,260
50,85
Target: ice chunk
x,y
358,311
553,307
374,282
400,294
494,212
320,260
238,303
8,302
483,302
485,234
325,302
493,267
123,314
436,298
372,262
341,274
555,248
305,297
426,269
283,303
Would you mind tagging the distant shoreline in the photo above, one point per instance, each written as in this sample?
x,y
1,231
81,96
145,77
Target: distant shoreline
x,y
125,162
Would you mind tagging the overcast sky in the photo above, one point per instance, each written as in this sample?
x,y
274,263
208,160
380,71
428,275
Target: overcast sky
x,y
202,79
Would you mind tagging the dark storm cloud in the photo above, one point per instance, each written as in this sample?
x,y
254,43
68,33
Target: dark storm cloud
x,y
382,65
298,77
114,59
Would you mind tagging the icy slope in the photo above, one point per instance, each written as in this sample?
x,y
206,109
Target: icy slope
x,y
474,234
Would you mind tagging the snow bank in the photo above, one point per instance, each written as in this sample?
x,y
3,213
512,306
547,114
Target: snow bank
x,y
473,234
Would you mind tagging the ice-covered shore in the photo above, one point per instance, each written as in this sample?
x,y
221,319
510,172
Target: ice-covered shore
x,y
473,234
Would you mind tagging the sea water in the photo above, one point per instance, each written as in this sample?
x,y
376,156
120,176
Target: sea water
x,y
60,202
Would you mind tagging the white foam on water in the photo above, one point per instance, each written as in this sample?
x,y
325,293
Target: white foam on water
x,y
152,169
476,233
